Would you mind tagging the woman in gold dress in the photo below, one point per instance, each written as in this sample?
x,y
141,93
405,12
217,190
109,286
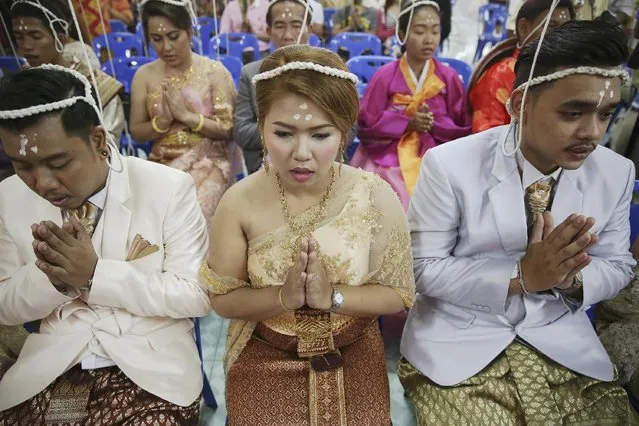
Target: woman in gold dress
x,y
304,281
183,102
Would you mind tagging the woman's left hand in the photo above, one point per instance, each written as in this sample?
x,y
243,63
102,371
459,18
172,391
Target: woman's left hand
x,y
319,292
176,104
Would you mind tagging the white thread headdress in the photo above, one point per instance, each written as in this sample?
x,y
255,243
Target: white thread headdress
x,y
310,66
64,103
52,18
411,9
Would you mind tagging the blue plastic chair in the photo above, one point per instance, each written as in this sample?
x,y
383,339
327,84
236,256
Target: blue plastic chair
x,y
195,46
365,66
121,44
207,31
118,26
207,20
356,44
328,20
124,69
491,16
236,44
463,69
232,64
207,392
11,63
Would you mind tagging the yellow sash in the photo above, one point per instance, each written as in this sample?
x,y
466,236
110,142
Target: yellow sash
x,y
408,147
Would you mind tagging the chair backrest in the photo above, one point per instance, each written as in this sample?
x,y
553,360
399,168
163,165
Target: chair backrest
x,y
365,66
117,26
328,13
125,69
207,31
206,20
121,44
232,64
195,46
236,44
314,40
463,69
11,63
357,44
490,15
634,214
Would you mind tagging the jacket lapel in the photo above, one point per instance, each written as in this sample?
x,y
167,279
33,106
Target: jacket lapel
x,y
507,199
568,198
117,215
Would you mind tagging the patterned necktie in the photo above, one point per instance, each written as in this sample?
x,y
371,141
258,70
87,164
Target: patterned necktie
x,y
87,215
538,197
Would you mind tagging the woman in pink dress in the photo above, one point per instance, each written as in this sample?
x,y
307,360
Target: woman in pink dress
x,y
410,105
183,102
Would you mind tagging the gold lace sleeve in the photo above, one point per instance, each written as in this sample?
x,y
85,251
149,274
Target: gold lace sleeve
x,y
391,261
219,285
224,95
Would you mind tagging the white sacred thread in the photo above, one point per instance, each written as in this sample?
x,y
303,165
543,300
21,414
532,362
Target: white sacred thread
x,y
411,9
53,106
52,18
296,117
308,117
304,106
305,66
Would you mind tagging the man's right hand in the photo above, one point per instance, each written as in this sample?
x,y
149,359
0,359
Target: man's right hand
x,y
556,256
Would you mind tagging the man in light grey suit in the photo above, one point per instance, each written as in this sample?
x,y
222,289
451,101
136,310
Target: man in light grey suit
x,y
499,333
284,20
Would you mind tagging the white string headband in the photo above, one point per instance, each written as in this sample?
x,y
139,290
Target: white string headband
x,y
64,103
52,18
411,9
305,66
547,78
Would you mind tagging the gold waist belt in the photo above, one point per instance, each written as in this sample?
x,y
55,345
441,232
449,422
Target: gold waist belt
x,y
185,137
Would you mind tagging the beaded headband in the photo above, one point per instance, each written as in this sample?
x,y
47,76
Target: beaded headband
x,y
52,18
411,9
310,66
599,72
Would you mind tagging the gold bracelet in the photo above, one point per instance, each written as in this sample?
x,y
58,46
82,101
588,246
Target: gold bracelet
x,y
155,126
281,302
200,124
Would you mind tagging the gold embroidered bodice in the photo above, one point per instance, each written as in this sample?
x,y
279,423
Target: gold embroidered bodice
x,y
347,238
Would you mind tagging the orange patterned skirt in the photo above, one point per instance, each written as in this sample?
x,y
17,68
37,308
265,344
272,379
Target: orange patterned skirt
x,y
270,384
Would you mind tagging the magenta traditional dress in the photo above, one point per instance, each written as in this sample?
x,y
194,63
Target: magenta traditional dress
x,y
391,98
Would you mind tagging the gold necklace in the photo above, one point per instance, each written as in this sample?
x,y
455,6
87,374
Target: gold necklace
x,y
305,227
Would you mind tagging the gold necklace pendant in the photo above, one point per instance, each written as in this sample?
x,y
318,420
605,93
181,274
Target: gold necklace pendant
x,y
306,227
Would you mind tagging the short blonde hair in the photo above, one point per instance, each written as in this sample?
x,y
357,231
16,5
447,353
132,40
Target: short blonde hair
x,y
337,97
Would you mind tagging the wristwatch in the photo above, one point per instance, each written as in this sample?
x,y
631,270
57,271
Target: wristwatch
x,y
337,298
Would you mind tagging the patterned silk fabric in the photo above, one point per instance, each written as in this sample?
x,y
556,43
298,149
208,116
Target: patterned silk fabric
x,y
206,88
113,399
488,98
362,240
520,387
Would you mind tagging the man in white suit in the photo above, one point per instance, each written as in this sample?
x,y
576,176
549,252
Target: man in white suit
x,y
105,251
499,333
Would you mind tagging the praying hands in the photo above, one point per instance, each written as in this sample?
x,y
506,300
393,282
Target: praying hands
x,y
307,282
65,254
556,255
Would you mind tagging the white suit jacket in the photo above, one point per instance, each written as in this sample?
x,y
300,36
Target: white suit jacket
x,y
137,312
468,227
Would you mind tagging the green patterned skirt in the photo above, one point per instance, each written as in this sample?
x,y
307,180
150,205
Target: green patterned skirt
x,y
520,387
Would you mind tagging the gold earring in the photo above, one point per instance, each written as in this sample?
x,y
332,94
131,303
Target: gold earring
x,y
264,154
342,157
